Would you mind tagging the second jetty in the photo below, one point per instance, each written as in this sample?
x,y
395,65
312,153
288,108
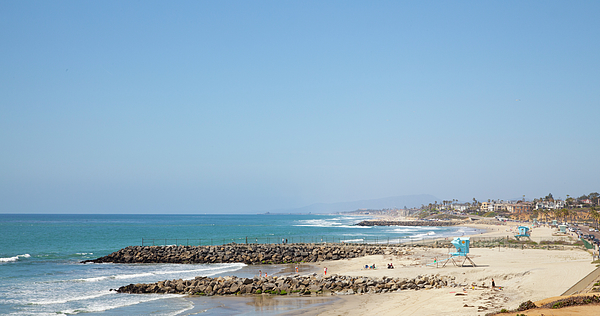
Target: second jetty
x,y
407,223
245,253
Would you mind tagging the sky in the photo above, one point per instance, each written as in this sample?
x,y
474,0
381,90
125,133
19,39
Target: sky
x,y
250,106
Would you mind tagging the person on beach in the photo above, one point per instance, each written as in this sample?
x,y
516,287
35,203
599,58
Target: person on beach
x,y
296,269
493,283
325,270
260,273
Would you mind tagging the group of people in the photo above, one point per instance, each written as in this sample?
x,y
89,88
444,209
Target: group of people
x,y
390,266
370,267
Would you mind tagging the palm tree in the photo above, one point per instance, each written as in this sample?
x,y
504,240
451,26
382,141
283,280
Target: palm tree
x,y
558,214
565,213
595,216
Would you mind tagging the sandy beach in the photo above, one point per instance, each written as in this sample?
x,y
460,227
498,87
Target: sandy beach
x,y
520,275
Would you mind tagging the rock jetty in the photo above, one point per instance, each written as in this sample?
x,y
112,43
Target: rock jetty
x,y
248,254
407,223
289,285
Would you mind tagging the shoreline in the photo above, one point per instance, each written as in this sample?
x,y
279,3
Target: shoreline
x,y
521,274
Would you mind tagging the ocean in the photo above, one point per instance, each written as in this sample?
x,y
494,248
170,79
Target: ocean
x,y
41,273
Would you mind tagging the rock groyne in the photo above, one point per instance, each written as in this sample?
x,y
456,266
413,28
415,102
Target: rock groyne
x,y
289,285
248,254
407,223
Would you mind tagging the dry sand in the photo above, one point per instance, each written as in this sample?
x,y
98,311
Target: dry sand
x,y
530,274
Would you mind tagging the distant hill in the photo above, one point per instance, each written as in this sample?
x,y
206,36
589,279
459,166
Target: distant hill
x,y
388,202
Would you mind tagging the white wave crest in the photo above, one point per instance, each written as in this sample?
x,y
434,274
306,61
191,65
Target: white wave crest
x,y
334,222
427,234
15,258
353,240
205,270
101,306
71,299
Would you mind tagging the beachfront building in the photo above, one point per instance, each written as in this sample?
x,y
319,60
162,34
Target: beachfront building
x,y
485,207
453,207
550,205
520,207
510,206
460,207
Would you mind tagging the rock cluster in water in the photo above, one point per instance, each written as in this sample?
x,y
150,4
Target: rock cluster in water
x,y
289,285
248,254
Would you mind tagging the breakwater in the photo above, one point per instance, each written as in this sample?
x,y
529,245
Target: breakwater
x,y
290,285
407,223
248,254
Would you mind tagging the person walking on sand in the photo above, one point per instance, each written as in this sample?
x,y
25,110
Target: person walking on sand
x,y
493,283
325,270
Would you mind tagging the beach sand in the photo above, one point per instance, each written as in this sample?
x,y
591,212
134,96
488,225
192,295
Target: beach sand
x,y
520,275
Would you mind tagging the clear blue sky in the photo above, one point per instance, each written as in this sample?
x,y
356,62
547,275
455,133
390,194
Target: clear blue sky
x,y
248,106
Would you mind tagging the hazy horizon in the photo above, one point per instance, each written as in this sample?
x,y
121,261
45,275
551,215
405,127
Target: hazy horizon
x,y
245,107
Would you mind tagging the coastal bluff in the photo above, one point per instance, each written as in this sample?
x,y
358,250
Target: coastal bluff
x,y
244,253
407,223
289,285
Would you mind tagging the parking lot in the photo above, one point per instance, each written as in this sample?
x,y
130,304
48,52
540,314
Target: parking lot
x,y
583,231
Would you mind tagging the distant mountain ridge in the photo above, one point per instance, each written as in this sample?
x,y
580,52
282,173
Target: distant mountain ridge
x,y
387,202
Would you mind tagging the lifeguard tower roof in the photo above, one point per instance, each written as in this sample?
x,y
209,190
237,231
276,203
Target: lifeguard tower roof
x,y
462,246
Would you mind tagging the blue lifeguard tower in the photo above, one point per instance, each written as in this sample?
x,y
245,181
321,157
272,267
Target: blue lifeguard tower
x,y
523,231
462,249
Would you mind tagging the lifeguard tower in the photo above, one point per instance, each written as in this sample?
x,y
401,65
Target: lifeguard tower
x,y
462,249
523,231
562,229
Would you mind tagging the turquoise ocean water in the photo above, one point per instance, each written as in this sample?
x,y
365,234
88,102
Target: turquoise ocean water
x,y
40,271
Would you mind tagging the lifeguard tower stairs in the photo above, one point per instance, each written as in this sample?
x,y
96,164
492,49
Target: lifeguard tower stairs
x,y
523,232
462,249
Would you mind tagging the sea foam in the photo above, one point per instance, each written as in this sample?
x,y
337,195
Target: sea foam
x,y
204,270
15,258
